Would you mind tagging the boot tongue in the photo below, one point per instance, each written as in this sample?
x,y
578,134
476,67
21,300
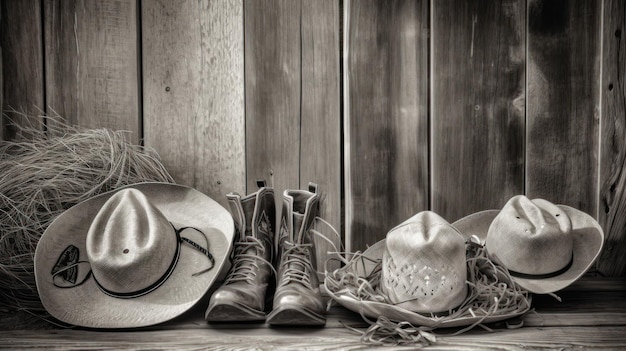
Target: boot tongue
x,y
248,210
298,233
302,223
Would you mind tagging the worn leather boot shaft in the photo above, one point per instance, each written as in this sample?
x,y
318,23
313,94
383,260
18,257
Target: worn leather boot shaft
x,y
242,295
299,209
297,300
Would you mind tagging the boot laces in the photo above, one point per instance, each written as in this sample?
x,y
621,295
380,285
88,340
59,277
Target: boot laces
x,y
297,257
297,264
247,255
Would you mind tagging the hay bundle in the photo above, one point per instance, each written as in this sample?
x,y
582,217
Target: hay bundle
x,y
44,173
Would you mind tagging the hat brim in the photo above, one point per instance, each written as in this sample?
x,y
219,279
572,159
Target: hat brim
x,y
588,240
86,305
374,309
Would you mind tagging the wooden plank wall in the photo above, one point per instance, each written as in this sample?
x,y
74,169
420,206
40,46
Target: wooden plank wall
x,y
477,114
193,92
612,182
91,67
563,105
2,137
292,99
386,116
392,107
22,62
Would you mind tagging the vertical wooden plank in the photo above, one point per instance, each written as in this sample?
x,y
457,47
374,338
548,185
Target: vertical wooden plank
x,y
92,77
612,261
194,91
385,116
563,102
22,63
1,74
478,73
320,155
273,92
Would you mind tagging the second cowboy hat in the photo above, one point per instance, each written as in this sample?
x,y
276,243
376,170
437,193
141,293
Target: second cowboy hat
x,y
545,247
133,257
419,275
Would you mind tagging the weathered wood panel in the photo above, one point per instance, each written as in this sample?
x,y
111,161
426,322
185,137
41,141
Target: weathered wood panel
x,y
91,63
478,81
612,207
320,154
563,102
22,63
591,316
474,152
194,92
273,78
1,85
385,116
548,338
2,32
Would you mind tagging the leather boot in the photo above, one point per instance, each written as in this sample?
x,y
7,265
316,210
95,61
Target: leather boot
x,y
297,300
242,295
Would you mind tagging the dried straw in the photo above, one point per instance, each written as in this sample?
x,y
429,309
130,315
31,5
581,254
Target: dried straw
x,y
491,292
45,171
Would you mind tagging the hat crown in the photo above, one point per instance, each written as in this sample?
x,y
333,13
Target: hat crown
x,y
531,237
424,265
130,244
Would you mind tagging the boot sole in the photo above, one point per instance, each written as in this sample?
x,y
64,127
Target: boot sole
x,y
234,313
295,315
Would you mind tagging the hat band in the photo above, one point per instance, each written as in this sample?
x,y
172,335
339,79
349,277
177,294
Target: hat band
x,y
543,276
153,286
71,269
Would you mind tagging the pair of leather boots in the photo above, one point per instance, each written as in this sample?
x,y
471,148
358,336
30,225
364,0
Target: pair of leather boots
x,y
259,247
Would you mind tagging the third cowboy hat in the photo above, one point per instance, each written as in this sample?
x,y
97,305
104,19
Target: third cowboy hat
x,y
545,247
133,257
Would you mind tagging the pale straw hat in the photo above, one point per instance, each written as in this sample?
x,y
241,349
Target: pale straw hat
x,y
133,257
423,266
545,247
418,275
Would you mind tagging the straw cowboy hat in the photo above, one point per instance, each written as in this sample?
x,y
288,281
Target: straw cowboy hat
x,y
418,274
545,247
133,257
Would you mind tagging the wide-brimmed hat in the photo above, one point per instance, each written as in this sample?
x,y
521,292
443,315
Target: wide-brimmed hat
x,y
419,275
545,247
137,256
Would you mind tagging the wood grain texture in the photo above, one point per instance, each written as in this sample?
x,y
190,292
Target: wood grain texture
x,y
592,315
273,78
612,207
478,81
385,116
1,81
22,64
563,102
320,144
194,92
91,61
552,338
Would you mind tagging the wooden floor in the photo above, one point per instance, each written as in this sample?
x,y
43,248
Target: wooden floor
x,y
592,315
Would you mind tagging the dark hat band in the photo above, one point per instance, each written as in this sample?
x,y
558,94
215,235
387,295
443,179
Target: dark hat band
x,y
151,287
543,276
